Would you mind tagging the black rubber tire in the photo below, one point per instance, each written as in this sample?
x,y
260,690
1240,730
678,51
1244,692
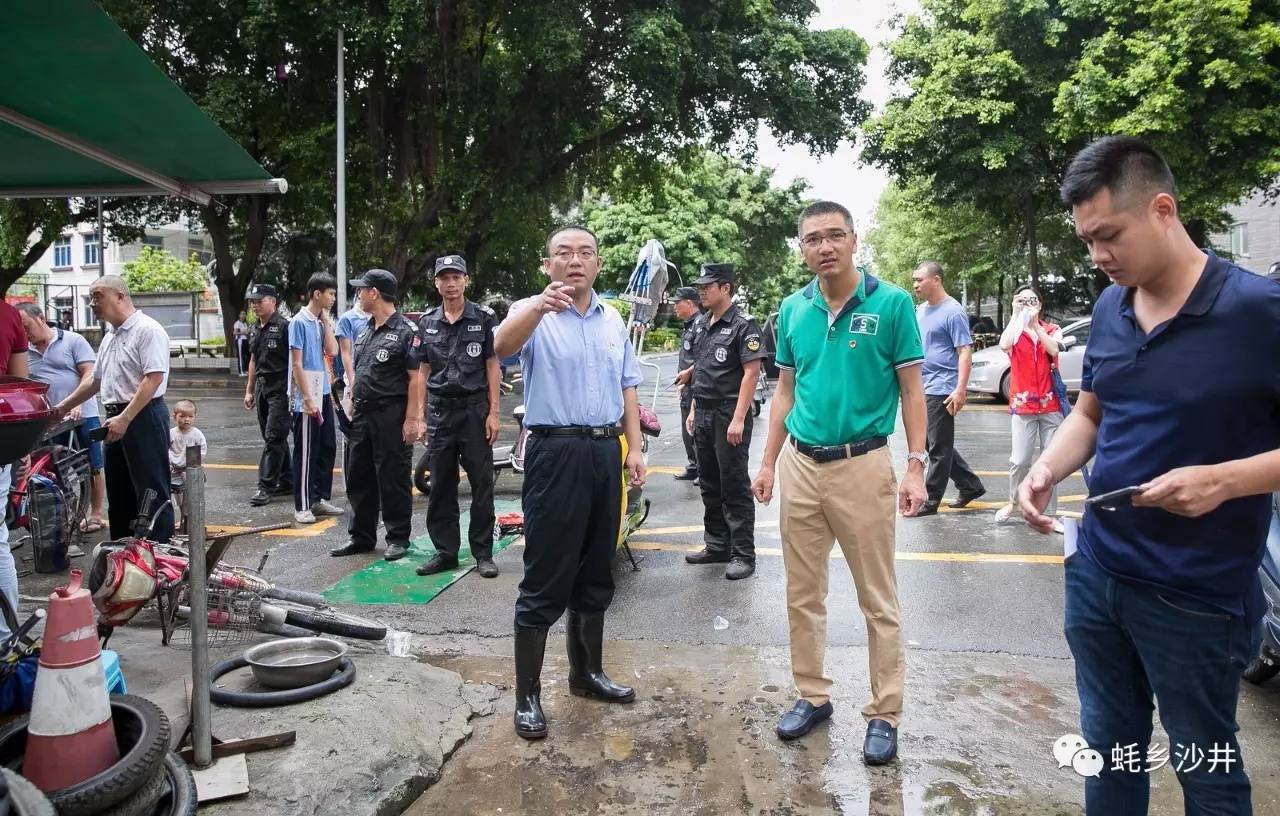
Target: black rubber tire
x,y
332,622
141,802
297,596
142,732
179,797
285,630
755,408
422,474
1260,671
1004,386
24,798
345,676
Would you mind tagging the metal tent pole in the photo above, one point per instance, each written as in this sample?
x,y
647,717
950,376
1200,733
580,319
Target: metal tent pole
x,y
341,223
201,728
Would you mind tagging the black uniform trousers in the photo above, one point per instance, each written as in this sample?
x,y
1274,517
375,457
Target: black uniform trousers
x,y
456,434
945,462
572,501
274,422
690,448
315,446
378,474
138,462
729,510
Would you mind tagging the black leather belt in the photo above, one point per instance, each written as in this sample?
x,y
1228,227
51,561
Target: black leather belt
x,y
712,403
591,431
379,402
444,402
834,453
116,408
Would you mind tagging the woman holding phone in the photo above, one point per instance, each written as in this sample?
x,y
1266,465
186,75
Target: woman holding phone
x,y
1034,408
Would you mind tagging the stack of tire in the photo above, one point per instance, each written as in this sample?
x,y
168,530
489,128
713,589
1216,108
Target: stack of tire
x,y
149,779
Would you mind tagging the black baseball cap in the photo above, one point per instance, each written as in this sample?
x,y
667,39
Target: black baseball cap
x,y
379,279
450,262
685,293
261,290
715,273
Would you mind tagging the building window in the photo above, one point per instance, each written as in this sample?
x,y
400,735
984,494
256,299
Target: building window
x,y
197,247
155,241
91,249
1240,240
62,252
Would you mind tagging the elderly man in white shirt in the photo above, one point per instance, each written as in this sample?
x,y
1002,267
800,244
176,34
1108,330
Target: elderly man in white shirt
x,y
131,374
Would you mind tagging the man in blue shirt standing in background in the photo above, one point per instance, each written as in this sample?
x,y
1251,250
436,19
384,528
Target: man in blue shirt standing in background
x,y
1180,404
314,443
580,378
948,356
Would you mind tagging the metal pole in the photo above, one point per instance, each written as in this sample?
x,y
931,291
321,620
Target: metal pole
x,y
201,729
102,242
341,227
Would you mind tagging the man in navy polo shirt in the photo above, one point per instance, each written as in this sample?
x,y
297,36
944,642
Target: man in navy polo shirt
x,y
1180,397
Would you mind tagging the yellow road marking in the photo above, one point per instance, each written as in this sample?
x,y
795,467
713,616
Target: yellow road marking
x,y
1076,475
979,557
309,531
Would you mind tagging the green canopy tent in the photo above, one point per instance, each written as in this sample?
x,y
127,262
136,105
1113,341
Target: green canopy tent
x,y
84,112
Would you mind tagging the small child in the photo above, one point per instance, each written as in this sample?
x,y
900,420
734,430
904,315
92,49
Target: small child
x,y
182,435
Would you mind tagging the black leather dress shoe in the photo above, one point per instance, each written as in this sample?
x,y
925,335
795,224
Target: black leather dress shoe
x,y
395,552
927,509
690,474
284,490
881,745
487,568
801,719
705,556
964,498
260,498
739,569
438,563
350,548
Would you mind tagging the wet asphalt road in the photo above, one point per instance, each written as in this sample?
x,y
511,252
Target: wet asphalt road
x,y
990,682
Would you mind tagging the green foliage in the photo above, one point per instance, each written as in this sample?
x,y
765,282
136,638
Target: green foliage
x,y
707,209
623,307
662,339
157,270
998,97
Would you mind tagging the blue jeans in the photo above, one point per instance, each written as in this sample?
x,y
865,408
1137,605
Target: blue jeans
x,y
1132,643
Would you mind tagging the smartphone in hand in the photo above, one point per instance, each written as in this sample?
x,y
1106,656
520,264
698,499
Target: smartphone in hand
x,y
1113,499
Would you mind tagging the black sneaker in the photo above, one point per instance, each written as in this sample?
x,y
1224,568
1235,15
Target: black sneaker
x,y
739,569
486,568
260,498
927,509
705,556
690,474
283,490
438,563
964,498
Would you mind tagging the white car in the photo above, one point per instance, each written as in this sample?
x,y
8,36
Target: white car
x,y
990,373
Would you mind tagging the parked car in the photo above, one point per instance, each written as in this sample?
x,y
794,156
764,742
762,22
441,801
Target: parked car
x,y
1267,664
990,373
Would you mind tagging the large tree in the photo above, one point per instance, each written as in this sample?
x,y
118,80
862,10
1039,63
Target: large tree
x,y
998,95
708,209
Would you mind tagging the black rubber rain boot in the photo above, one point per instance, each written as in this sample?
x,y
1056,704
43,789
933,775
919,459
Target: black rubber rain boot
x,y
531,643
585,638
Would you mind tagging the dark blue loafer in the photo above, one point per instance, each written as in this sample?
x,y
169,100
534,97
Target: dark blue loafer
x,y
801,719
881,744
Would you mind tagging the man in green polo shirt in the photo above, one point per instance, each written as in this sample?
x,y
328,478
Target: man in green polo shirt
x,y
848,349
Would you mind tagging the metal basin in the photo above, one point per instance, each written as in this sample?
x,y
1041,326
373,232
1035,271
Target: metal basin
x,y
295,662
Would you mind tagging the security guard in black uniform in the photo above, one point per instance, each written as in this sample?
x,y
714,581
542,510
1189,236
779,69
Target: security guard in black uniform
x,y
727,355
462,377
266,389
387,403
686,307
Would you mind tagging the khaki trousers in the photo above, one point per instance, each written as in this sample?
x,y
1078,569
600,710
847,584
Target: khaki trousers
x,y
853,501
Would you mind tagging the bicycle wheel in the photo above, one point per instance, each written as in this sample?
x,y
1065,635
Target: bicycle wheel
x,y
327,621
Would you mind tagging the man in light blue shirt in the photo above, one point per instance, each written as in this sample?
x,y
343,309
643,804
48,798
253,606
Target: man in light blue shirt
x,y
314,443
580,378
948,356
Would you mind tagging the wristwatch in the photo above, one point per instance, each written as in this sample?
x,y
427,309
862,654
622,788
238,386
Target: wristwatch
x,y
919,456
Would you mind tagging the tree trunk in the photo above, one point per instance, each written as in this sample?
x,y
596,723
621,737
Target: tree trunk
x,y
1000,302
1033,246
233,279
1196,228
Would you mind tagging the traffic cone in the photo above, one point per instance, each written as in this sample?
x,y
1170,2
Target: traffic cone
x,y
70,736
